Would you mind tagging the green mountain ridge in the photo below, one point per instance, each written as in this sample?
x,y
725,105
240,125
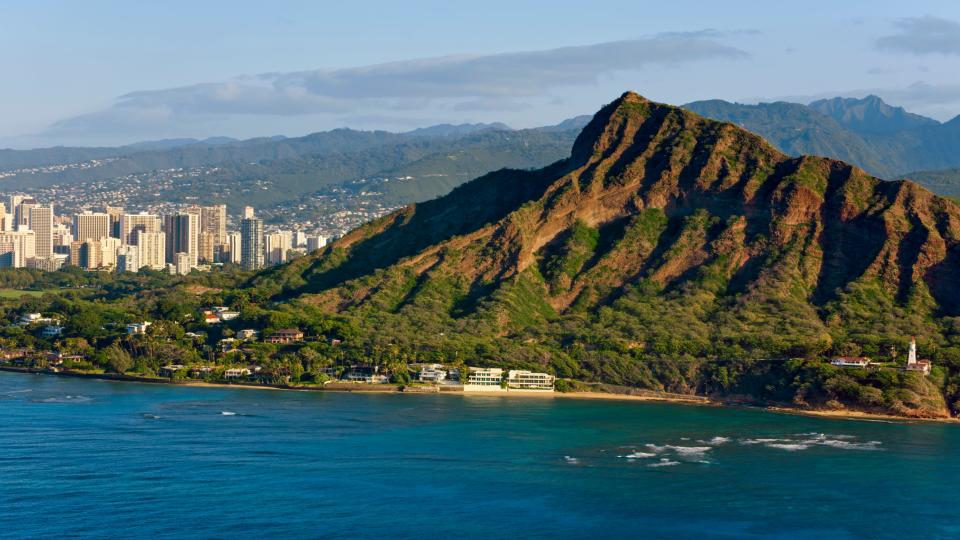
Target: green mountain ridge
x,y
886,141
668,251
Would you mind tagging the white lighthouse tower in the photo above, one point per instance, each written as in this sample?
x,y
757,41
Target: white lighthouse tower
x,y
912,358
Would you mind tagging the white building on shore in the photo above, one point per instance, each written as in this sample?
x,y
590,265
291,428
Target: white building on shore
x,y
484,380
521,379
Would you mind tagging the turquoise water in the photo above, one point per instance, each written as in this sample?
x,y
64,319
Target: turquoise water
x,y
84,458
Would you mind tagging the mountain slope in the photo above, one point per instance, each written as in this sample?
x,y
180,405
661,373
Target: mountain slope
x,y
665,240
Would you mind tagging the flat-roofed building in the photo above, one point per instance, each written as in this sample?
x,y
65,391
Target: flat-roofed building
x,y
152,249
521,379
41,223
91,226
130,223
484,380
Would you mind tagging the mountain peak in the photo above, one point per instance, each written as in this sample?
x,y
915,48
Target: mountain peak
x,y
870,115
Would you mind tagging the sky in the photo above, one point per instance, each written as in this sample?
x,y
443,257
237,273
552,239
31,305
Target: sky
x,y
97,73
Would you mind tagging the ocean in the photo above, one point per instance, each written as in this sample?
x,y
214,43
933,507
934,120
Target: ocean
x,y
98,459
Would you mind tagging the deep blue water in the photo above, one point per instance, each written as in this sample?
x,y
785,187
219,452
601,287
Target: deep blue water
x,y
83,458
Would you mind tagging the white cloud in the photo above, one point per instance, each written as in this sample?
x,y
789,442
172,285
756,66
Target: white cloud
x,y
504,82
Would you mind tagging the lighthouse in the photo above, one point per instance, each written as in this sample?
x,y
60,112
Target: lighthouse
x,y
912,358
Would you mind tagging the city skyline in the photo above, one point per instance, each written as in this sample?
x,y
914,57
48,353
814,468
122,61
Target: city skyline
x,y
32,235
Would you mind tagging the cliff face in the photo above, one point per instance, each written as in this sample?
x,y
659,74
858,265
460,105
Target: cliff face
x,y
660,193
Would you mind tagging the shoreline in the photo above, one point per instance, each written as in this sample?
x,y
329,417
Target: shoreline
x,y
837,414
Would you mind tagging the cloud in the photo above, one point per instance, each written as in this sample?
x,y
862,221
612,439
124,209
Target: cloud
x,y
504,82
923,35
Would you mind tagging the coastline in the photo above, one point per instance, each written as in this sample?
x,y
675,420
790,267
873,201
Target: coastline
x,y
638,395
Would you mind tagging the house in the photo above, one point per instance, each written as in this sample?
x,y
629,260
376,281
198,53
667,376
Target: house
x,y
521,379
169,370
483,380
285,335
138,328
228,315
210,317
366,374
850,361
228,344
432,373
201,372
236,373
51,331
35,318
922,366
248,334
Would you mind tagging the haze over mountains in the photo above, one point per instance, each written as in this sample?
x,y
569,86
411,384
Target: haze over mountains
x,y
886,141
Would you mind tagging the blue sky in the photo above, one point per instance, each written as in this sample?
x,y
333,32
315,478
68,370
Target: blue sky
x,y
103,72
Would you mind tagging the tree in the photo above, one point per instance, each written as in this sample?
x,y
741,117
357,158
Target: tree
x,y
118,360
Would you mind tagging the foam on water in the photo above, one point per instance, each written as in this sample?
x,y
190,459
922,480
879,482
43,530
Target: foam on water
x,y
664,462
227,413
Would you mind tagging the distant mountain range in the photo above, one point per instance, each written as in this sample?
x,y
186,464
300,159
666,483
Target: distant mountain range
x,y
441,157
886,141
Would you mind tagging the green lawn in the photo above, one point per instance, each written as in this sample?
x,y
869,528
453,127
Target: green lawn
x,y
17,293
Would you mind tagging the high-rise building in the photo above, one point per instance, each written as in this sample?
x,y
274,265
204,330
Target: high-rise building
x,y
128,259
316,242
91,226
6,220
213,220
16,247
129,223
41,223
181,264
208,247
277,246
13,209
183,236
22,214
86,254
252,248
115,213
152,249
108,251
234,247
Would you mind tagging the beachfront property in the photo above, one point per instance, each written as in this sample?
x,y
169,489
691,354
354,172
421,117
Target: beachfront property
x,y
521,379
922,366
285,335
170,370
484,380
850,361
138,328
236,373
432,373
369,375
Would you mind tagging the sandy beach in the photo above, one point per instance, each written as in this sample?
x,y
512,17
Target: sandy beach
x,y
645,396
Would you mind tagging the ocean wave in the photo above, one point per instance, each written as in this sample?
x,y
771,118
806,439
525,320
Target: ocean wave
x,y
571,460
664,462
64,399
638,455
790,447
227,413
715,441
